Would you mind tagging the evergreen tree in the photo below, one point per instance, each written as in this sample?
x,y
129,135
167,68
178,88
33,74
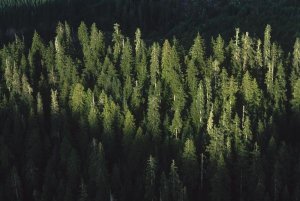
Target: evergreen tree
x,y
140,60
192,78
296,96
174,182
176,125
280,89
118,41
236,59
108,80
247,51
77,98
155,65
129,130
218,49
197,110
36,60
153,116
251,92
197,54
267,45
83,37
79,118
295,74
258,55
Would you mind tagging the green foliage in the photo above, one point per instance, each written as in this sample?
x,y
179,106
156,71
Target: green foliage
x,y
77,98
118,40
296,96
154,65
85,118
153,116
197,110
218,49
174,182
296,62
129,125
197,53
251,92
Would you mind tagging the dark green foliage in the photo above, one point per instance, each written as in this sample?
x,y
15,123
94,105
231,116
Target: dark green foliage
x,y
83,118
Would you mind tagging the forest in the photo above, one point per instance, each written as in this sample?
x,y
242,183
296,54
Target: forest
x,y
158,19
86,116
152,100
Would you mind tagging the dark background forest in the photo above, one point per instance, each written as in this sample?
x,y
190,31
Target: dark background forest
x,y
157,19
155,100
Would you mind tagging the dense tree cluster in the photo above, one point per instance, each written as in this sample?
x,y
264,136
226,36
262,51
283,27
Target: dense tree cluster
x,y
86,119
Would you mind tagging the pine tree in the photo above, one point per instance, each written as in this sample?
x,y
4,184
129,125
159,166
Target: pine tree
x,y
295,74
269,80
126,60
129,130
155,65
174,182
138,41
218,49
93,112
40,105
153,116
210,123
296,96
35,59
247,130
236,59
166,63
110,114
229,89
97,43
176,124
197,110
258,55
247,51
267,45
197,54
251,91
192,78
83,36
118,41
108,80
77,98
280,89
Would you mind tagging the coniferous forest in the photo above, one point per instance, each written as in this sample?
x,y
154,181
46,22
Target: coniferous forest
x,y
91,115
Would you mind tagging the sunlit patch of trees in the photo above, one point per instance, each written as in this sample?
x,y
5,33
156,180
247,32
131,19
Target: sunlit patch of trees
x,y
87,119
